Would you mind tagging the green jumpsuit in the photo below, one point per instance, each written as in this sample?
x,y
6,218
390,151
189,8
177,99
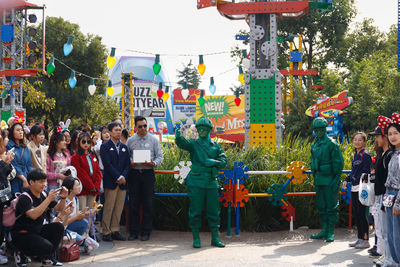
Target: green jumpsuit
x,y
202,185
326,166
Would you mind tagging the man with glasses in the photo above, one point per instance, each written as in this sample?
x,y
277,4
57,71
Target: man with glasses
x,y
141,178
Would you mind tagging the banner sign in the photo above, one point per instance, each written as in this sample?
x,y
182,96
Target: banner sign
x,y
227,118
146,102
326,106
185,108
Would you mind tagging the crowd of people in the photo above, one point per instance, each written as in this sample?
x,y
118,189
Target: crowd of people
x,y
67,183
384,172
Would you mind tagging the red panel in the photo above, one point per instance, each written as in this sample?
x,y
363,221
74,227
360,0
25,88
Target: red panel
x,y
298,72
263,7
19,73
319,87
230,137
204,3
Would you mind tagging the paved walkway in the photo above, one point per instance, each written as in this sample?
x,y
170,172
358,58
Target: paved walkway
x,y
249,249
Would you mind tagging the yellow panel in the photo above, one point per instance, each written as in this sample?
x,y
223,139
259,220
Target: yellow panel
x,y
262,134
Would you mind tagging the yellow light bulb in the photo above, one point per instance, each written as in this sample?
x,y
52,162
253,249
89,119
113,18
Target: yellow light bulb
x,y
201,68
165,97
241,78
110,89
111,61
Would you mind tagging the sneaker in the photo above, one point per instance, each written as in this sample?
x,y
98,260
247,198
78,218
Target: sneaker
x,y
3,260
133,236
107,238
362,244
20,259
374,254
380,260
51,262
355,243
371,249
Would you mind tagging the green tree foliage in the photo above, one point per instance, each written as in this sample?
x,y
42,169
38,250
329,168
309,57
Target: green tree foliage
x,y
100,110
88,56
190,75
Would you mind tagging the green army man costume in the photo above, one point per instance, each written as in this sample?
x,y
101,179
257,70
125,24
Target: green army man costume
x,y
207,158
326,166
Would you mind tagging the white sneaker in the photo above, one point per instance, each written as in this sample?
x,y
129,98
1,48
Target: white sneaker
x,y
380,260
3,260
363,244
355,243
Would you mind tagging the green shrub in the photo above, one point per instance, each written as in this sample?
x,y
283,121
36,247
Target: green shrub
x,y
170,213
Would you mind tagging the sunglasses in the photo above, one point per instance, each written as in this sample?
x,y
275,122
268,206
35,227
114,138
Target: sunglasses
x,y
142,126
84,142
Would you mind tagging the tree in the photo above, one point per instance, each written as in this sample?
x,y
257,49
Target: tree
x,y
88,57
190,75
100,110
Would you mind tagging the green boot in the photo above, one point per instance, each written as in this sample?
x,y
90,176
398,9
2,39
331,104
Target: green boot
x,y
322,234
196,239
215,239
330,236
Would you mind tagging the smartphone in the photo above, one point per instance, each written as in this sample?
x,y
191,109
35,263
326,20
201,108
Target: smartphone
x,y
69,205
58,190
12,150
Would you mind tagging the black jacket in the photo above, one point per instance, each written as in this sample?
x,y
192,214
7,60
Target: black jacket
x,y
5,170
381,172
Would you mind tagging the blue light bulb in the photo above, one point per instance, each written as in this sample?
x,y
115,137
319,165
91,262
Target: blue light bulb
x,y
212,87
72,80
68,46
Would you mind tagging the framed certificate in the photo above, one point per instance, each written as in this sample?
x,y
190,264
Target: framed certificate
x,y
141,156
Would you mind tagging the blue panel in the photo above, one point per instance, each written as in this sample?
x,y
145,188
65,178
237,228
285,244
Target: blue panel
x,y
295,56
7,33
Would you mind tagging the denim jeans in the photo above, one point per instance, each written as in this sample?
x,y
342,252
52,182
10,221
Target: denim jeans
x,y
80,227
393,230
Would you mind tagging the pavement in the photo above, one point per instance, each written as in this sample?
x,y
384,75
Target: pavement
x,y
281,249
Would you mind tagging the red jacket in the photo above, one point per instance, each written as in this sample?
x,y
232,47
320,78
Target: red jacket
x,y
83,171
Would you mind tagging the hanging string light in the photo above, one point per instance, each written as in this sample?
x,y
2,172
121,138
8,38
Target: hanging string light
x,y
160,91
212,87
201,67
245,61
237,99
68,46
72,80
110,89
157,66
201,98
111,58
92,87
185,91
165,96
50,67
241,75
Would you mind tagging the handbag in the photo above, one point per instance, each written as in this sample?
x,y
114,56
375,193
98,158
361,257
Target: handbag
x,y
69,250
366,193
388,200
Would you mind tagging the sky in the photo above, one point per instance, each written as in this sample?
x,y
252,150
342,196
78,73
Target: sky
x,y
175,28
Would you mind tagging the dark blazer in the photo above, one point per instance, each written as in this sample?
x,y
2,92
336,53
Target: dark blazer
x,y
115,164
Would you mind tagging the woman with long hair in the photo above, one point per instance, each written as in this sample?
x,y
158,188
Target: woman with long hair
x,y
22,161
88,171
360,164
37,150
57,159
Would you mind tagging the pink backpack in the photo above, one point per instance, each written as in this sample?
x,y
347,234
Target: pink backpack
x,y
9,217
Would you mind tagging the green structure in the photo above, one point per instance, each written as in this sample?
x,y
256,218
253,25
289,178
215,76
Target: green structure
x,y
207,158
326,166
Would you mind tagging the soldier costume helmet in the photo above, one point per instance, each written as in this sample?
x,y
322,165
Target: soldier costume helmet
x,y
203,121
319,122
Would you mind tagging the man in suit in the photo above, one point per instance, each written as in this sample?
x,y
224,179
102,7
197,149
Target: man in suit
x,y
115,157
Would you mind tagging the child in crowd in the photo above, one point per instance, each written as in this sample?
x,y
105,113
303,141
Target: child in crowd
x,y
57,159
88,171
38,151
360,164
